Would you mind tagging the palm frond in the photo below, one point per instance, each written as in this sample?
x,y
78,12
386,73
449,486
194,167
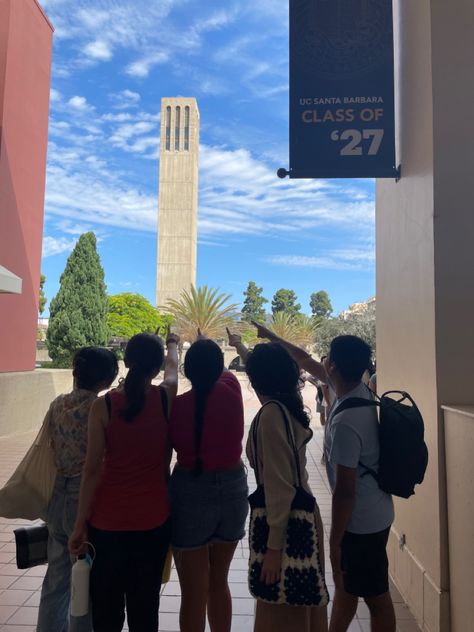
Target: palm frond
x,y
203,308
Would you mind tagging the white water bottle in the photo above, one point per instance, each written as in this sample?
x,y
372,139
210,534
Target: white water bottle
x,y
80,586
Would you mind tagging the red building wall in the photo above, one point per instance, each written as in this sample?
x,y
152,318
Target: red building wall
x,y
25,71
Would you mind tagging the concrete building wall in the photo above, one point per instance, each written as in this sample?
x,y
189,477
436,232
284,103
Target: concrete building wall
x,y
459,441
25,66
178,198
26,397
425,284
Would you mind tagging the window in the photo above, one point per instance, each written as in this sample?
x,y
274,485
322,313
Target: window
x,y
177,128
186,128
168,128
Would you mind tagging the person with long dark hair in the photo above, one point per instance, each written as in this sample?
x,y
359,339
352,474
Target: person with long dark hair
x,y
208,487
123,506
94,370
275,377
362,513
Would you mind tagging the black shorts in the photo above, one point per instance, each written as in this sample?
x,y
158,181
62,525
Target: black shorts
x,y
364,563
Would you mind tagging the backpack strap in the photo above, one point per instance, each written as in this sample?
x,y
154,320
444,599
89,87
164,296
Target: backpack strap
x,y
289,434
354,402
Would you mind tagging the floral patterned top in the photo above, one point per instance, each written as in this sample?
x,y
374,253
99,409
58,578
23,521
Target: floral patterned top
x,y
68,415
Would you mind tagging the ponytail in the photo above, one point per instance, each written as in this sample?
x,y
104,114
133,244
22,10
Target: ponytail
x,y
144,357
134,387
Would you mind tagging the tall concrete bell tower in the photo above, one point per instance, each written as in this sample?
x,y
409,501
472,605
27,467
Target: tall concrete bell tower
x,y
178,198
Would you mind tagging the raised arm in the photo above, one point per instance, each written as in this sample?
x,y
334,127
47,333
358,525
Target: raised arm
x,y
304,360
170,377
235,340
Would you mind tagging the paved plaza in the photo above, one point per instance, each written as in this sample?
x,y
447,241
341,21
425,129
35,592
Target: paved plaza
x,y
20,590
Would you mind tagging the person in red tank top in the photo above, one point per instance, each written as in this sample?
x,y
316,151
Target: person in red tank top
x,y
208,487
123,504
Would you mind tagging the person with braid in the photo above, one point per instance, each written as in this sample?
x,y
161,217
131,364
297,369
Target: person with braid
x,y
123,504
208,487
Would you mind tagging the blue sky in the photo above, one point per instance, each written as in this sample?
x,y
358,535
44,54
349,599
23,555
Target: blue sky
x,y
113,60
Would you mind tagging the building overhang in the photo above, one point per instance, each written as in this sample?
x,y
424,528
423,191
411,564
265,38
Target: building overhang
x,y
9,282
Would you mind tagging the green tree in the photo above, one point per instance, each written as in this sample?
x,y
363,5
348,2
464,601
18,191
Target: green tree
x,y
204,309
360,324
131,314
42,296
253,308
320,304
285,301
78,313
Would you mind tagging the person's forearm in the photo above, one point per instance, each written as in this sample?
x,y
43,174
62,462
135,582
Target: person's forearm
x,y
302,358
171,362
242,351
342,506
88,486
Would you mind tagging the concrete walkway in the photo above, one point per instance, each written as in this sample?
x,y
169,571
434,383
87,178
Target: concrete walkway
x,y
20,590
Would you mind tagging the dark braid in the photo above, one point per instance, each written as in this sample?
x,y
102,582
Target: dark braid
x,y
203,365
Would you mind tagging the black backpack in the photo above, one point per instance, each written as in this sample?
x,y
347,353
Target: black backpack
x,y
403,452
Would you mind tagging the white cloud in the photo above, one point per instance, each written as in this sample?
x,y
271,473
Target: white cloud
x,y
141,68
344,260
131,137
72,228
125,99
79,103
57,245
239,195
79,191
98,50
55,96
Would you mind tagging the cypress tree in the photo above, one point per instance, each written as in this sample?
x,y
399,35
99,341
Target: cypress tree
x,y
78,313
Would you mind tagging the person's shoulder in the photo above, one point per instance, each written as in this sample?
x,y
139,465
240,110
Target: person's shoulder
x,y
229,379
228,384
99,408
271,412
361,419
57,401
181,404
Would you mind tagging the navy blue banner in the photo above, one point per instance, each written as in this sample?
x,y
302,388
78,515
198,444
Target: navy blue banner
x,y
342,118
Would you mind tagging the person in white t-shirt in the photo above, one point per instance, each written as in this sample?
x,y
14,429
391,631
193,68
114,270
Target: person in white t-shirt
x,y
362,513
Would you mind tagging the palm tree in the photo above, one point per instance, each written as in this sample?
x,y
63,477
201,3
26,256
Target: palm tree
x,y
305,330
202,309
298,329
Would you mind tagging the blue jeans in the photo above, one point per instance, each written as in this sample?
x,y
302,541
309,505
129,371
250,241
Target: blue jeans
x,y
56,592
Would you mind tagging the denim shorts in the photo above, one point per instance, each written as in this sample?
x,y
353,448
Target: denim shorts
x,y
207,509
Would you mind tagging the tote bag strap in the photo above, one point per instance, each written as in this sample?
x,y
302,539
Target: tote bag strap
x,y
44,435
290,437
